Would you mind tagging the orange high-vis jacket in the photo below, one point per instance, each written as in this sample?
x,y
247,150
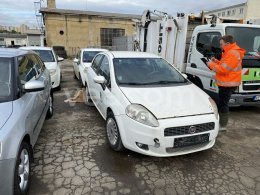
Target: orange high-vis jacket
x,y
229,68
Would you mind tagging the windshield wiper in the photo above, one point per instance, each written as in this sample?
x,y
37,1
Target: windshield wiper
x,y
164,82
131,83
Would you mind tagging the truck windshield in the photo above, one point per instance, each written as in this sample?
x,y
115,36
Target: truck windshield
x,y
5,78
246,37
146,71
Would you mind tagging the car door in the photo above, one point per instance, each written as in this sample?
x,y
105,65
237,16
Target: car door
x,y
32,100
81,68
43,76
207,43
105,95
91,74
76,65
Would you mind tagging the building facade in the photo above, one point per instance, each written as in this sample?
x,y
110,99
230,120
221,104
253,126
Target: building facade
x,y
13,40
244,11
76,29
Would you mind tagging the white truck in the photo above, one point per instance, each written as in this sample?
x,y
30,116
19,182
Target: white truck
x,y
168,37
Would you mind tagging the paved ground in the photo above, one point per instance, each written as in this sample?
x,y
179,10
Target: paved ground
x,y
72,157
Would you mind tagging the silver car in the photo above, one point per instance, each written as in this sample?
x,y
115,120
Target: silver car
x,y
25,100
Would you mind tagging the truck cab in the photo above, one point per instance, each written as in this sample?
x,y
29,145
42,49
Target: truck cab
x,y
205,43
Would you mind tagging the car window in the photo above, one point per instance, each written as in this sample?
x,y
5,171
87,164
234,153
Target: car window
x,y
41,63
26,69
36,64
208,43
104,70
96,63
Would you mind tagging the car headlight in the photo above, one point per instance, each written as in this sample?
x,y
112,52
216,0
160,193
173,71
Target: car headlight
x,y
52,72
214,107
141,114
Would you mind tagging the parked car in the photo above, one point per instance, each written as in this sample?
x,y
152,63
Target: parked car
x,y
82,60
149,106
60,51
25,100
51,61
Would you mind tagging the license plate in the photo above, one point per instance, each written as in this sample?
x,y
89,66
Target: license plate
x,y
256,98
190,141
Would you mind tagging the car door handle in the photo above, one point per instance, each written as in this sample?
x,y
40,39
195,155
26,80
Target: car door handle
x,y
193,65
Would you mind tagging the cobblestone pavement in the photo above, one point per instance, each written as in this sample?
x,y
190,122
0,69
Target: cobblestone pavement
x,y
72,157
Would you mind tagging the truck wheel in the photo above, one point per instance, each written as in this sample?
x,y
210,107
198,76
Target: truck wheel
x,y
22,170
113,134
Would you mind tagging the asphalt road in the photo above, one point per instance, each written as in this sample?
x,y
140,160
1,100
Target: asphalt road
x,y
72,157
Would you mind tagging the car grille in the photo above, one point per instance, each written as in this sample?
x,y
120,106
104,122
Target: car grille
x,y
184,130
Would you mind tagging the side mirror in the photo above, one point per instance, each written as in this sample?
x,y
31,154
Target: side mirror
x,y
185,76
100,80
60,59
34,86
76,60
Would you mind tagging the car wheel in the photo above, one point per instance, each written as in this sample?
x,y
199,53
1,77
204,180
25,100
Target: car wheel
x,y
80,80
89,101
50,110
22,170
113,134
75,77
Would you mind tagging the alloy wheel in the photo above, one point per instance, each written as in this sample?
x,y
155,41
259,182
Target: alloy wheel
x,y
112,131
23,169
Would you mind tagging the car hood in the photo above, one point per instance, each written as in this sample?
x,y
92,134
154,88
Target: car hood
x,y
50,65
170,102
6,111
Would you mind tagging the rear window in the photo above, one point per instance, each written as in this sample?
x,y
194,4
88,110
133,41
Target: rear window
x,y
46,55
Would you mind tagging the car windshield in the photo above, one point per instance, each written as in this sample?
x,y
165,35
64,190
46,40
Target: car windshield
x,y
146,71
5,78
46,55
89,55
252,42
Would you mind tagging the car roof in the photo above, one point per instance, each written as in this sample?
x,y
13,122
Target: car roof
x,y
133,54
11,52
36,48
93,49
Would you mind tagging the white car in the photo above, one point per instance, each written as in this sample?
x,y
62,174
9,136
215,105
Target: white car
x,y
52,63
149,106
84,59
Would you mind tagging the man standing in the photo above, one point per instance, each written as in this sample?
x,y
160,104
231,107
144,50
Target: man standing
x,y
228,74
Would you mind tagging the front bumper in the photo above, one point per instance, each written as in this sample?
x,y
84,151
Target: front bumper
x,y
7,176
133,132
55,80
243,99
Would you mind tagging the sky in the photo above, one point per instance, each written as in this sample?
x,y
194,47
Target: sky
x,y
16,12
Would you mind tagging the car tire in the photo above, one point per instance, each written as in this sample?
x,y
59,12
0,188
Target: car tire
x,y
75,77
22,170
80,80
89,101
50,109
113,133
58,88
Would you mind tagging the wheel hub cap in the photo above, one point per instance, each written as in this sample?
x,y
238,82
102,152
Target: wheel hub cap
x,y
112,131
23,169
